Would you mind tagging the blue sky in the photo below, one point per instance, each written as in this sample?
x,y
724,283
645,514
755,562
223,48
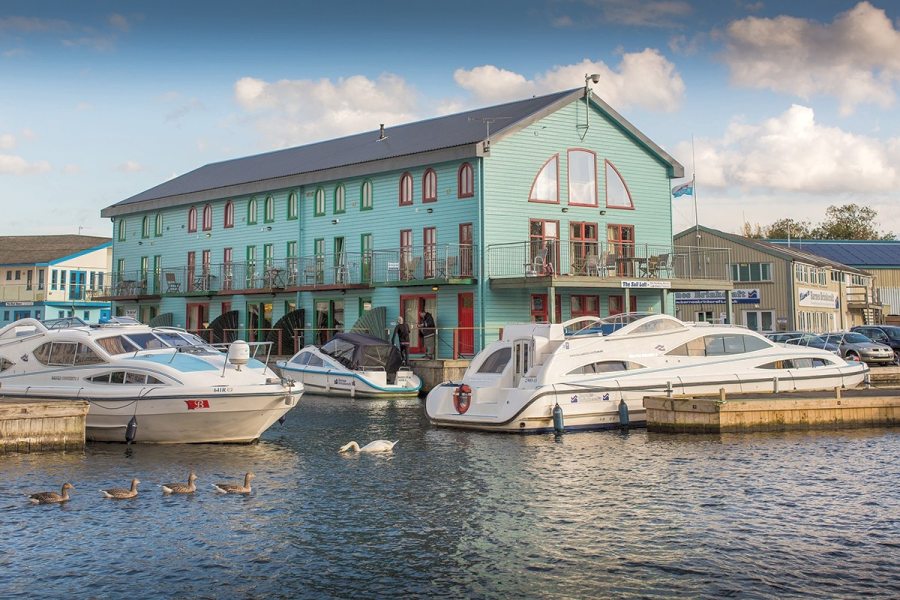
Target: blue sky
x,y
791,105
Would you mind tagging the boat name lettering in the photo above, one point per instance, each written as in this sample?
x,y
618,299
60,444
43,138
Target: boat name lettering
x,y
195,404
341,381
221,389
63,378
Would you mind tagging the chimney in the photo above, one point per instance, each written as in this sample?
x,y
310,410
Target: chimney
x,y
381,135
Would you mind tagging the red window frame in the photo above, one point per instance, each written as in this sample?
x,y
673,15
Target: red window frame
x,y
569,176
539,308
620,240
229,214
465,249
429,186
582,244
465,181
616,303
588,305
606,188
207,217
192,219
191,269
531,197
406,189
429,250
537,242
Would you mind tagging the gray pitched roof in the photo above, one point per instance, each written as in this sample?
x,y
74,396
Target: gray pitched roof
x,y
461,131
42,249
859,253
787,253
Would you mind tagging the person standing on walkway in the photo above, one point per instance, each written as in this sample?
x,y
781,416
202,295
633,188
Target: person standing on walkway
x,y
401,334
427,328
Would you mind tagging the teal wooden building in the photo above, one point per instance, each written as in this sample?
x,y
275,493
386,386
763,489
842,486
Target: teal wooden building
x,y
542,209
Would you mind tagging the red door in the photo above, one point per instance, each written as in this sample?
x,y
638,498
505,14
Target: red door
x,y
465,321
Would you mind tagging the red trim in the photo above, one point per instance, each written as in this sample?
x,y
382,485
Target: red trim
x,y
401,194
606,187
229,215
569,177
534,181
425,186
459,181
192,220
207,217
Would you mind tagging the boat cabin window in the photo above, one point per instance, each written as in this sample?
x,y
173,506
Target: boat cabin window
x,y
65,354
124,377
605,366
315,361
302,358
146,341
117,344
497,361
796,363
720,345
5,364
655,326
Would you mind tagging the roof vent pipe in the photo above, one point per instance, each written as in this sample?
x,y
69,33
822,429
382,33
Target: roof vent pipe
x,y
381,135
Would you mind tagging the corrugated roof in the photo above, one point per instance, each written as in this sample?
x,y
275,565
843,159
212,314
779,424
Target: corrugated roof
x,y
451,131
35,249
859,253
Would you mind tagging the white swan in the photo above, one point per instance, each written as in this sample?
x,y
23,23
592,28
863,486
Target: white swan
x,y
376,446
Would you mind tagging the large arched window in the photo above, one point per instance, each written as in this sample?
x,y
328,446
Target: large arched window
x,y
158,230
582,177
269,209
465,181
340,199
207,217
192,219
229,214
546,184
406,189
145,226
252,211
617,194
365,196
429,186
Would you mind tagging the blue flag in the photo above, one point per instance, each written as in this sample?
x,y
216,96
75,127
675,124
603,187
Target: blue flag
x,y
685,189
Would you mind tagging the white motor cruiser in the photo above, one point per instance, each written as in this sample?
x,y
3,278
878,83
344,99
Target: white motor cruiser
x,y
354,365
144,384
599,375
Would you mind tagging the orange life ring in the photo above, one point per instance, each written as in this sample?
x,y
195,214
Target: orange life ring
x,y
462,399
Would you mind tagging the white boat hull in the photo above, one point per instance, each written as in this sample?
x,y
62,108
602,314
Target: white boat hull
x,y
349,384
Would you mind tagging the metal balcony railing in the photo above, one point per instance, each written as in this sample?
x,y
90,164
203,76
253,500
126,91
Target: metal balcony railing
x,y
601,259
439,263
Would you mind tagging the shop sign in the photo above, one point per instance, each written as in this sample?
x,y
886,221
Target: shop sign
x,y
646,284
738,296
818,298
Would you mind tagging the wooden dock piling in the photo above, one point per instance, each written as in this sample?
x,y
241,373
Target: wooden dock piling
x,y
42,425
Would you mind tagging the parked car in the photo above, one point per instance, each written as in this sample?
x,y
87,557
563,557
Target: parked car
x,y
856,346
883,334
804,338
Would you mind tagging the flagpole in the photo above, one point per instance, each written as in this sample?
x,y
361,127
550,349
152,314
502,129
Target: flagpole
x,y
694,189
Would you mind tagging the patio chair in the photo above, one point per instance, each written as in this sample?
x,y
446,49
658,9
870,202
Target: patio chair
x,y
408,267
172,284
539,264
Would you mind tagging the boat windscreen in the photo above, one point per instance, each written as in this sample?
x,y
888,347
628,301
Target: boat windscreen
x,y
146,341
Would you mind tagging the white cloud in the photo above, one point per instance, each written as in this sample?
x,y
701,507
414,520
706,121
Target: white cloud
x,y
130,166
646,13
33,24
7,141
646,79
856,58
16,165
794,153
289,112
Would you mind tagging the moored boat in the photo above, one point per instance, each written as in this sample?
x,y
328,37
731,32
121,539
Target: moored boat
x,y
541,376
354,365
144,384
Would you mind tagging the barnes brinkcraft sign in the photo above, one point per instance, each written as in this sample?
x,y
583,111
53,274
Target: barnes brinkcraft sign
x,y
819,298
740,296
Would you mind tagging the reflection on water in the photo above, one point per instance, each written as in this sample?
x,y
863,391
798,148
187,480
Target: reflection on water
x,y
462,514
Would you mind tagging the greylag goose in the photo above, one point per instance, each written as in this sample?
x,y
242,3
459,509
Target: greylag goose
x,y
180,488
122,493
52,497
376,446
232,488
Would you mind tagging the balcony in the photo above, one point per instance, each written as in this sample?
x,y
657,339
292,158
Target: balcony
x,y
549,258
424,265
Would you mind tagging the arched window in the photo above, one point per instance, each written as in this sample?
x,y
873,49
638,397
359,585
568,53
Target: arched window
x,y
429,186
192,219
320,202
229,214
617,194
145,226
207,217
546,184
252,210
365,195
158,230
465,181
122,230
406,189
340,199
269,209
582,177
292,206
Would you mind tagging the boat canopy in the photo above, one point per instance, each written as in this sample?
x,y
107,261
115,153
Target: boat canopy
x,y
361,352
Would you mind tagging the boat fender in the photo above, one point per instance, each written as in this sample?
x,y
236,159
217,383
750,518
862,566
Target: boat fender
x,y
131,430
623,413
558,424
282,419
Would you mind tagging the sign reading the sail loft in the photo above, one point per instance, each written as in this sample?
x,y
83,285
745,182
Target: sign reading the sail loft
x,y
647,284
819,298
738,296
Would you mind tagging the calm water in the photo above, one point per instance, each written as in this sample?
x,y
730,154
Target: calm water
x,y
459,515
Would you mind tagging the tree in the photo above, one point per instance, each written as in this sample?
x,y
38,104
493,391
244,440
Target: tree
x,y
752,231
850,222
788,228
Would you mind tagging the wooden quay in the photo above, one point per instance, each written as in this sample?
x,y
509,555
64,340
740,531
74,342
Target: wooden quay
x,y
42,425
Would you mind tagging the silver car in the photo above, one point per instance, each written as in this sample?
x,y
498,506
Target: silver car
x,y
856,346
